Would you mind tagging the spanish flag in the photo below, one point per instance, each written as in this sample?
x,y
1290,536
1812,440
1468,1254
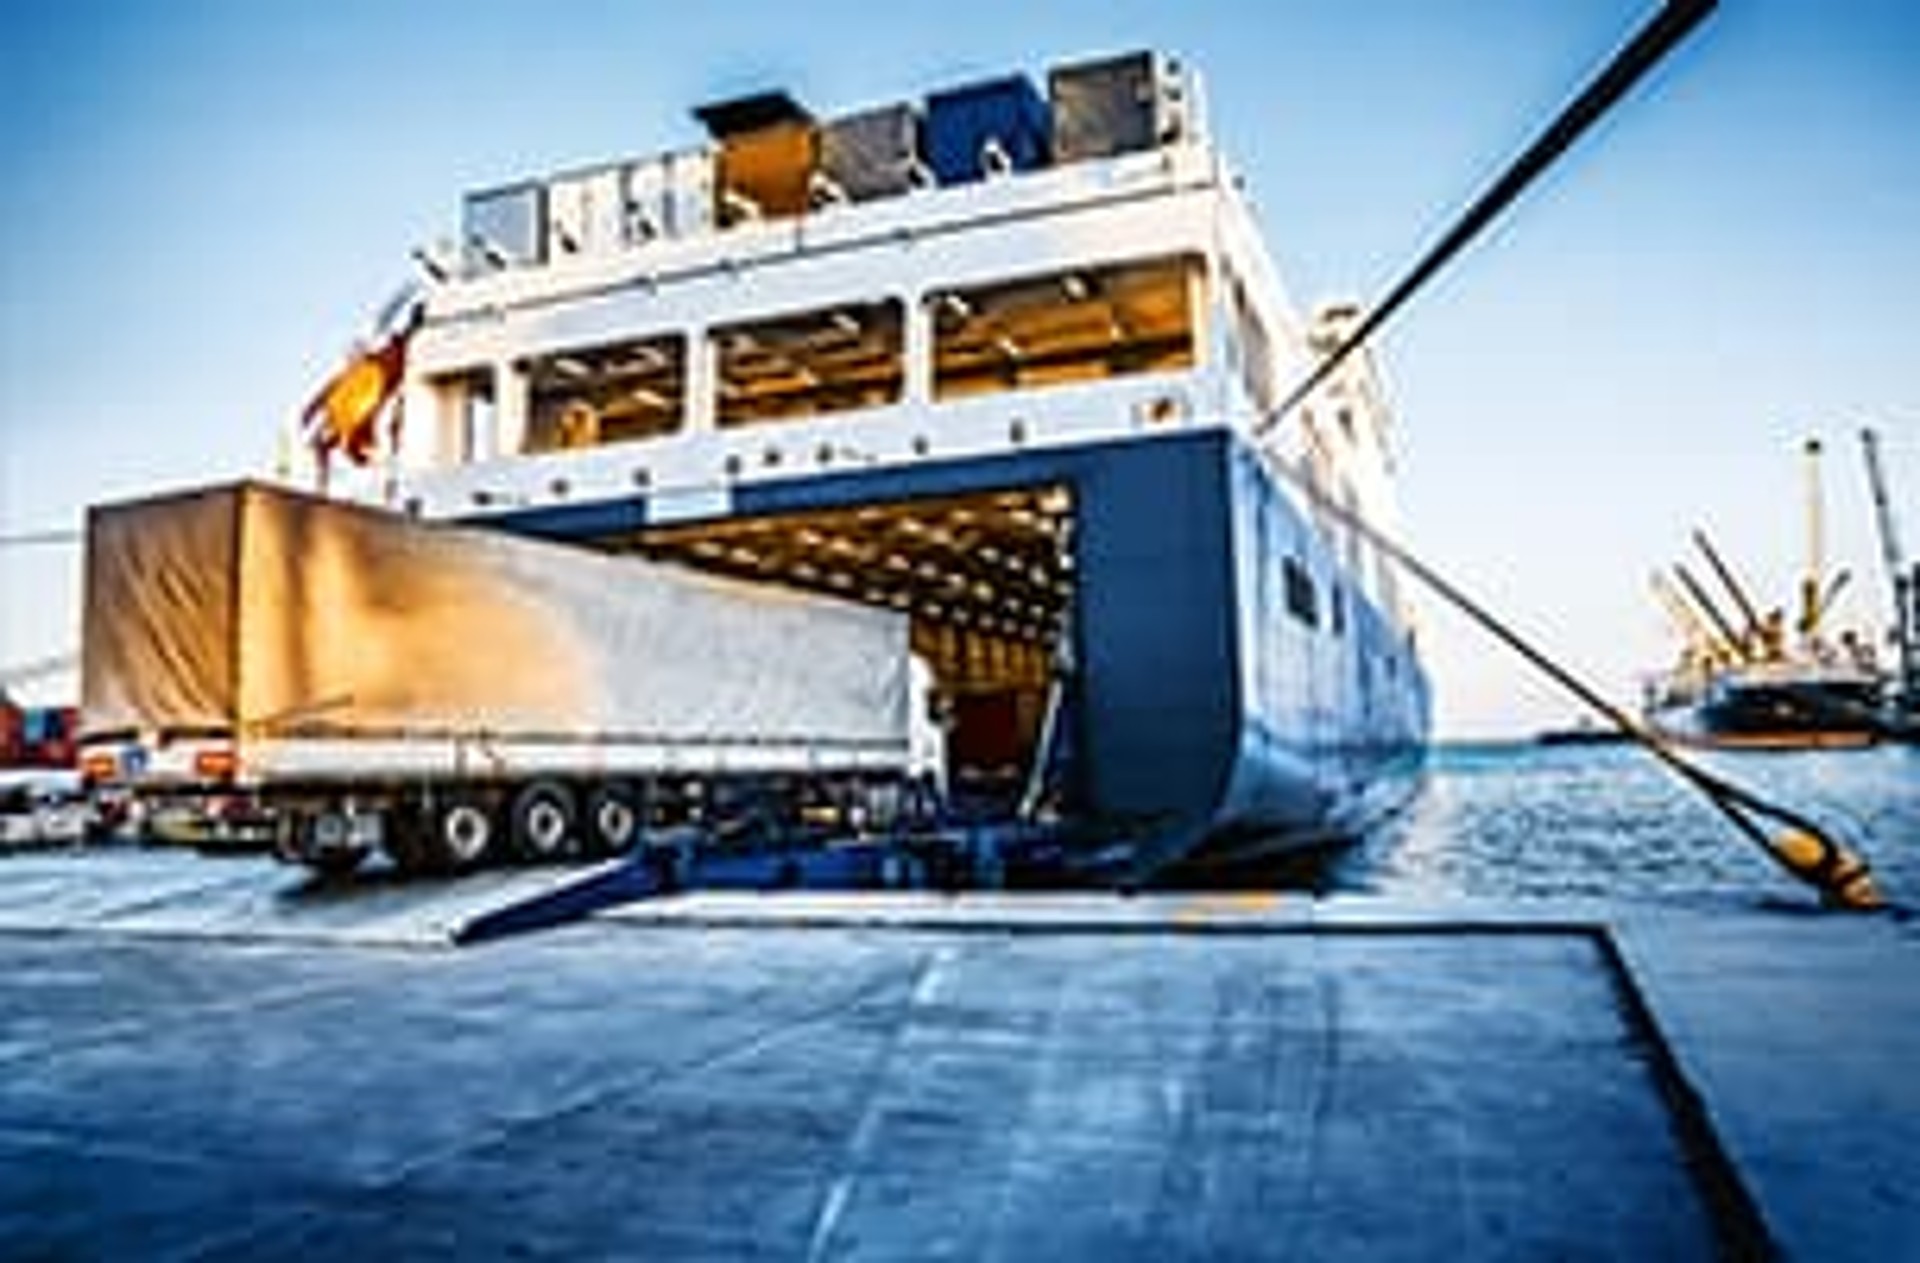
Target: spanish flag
x,y
342,415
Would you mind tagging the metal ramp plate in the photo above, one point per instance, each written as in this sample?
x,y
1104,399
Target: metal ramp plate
x,y
177,893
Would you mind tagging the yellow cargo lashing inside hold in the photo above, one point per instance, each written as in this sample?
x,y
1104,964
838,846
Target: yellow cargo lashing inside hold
x,y
986,580
831,360
607,394
1082,324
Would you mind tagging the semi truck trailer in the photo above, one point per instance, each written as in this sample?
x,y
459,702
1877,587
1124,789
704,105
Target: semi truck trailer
x,y
454,696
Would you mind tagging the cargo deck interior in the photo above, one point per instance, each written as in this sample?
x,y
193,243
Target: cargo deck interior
x,y
986,580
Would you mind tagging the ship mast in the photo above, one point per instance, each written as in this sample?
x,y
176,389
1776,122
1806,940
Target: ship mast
x,y
1816,560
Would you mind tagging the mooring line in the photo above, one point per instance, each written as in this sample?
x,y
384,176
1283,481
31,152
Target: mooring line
x,y
1800,846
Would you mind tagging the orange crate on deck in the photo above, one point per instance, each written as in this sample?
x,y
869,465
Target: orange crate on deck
x,y
769,169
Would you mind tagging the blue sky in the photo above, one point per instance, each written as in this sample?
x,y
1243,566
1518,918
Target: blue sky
x,y
204,200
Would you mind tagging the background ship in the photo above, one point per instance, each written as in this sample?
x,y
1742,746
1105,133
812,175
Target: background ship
x,y
998,358
1742,680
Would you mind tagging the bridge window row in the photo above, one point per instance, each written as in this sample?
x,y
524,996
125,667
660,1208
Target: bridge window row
x,y
1069,325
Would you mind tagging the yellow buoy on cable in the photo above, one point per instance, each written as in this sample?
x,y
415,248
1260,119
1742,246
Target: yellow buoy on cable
x,y
1843,878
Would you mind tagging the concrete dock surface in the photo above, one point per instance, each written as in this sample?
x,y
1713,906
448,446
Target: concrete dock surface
x,y
204,1059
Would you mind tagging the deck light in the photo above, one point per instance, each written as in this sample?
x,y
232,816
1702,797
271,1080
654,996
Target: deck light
x,y
739,207
642,358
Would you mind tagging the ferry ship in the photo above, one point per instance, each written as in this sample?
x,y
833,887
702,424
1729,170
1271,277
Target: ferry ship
x,y
1000,357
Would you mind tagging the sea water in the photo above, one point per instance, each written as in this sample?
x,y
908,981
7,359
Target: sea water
x,y
1525,820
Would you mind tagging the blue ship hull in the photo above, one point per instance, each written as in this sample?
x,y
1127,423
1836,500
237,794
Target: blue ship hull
x,y
1232,688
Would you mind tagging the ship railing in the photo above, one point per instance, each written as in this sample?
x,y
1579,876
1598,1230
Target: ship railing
x,y
780,165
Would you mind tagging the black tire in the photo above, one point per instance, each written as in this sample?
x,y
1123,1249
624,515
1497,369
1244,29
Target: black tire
x,y
543,822
407,843
329,849
463,836
612,825
338,865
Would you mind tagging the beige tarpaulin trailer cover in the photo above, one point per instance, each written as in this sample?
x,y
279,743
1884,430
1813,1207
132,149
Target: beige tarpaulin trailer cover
x,y
251,610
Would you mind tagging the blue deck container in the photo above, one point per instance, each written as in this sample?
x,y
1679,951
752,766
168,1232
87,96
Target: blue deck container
x,y
1007,111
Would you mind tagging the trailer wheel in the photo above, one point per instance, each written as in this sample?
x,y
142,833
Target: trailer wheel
x,y
408,843
462,834
338,864
329,848
613,821
542,821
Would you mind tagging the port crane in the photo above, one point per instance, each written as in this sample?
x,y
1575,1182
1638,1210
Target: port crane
x,y
1704,645
1734,646
1904,578
1759,642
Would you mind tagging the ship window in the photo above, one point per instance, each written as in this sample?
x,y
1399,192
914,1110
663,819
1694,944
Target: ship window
x,y
1256,358
583,397
1303,602
830,360
1350,535
467,422
505,227
1084,324
586,213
